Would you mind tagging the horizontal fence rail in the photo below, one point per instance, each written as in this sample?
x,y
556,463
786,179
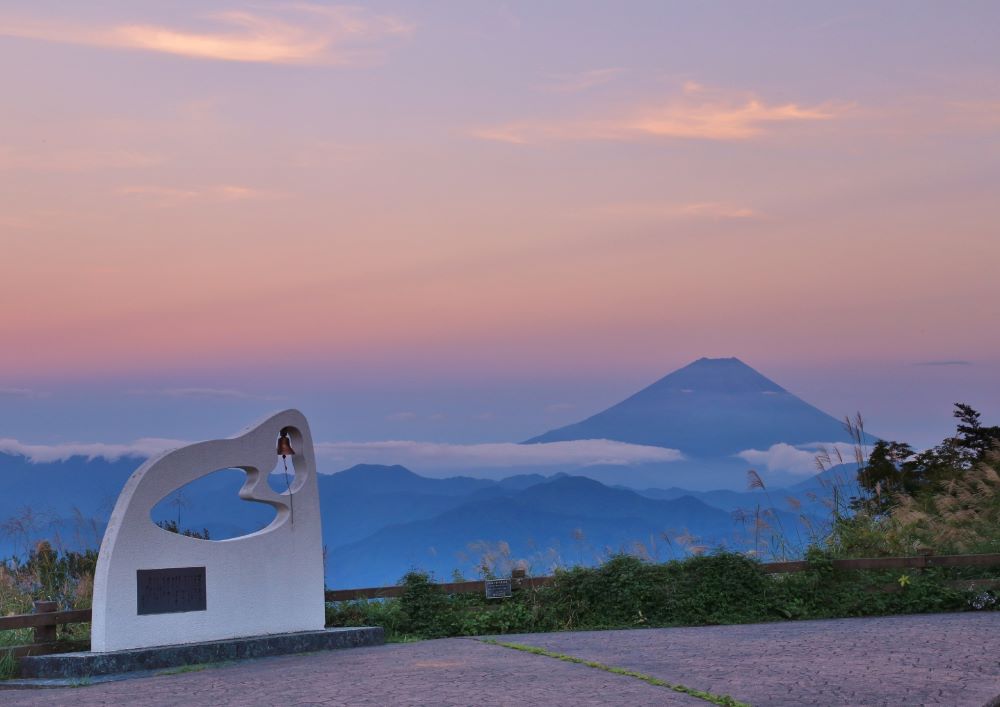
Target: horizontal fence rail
x,y
867,563
447,587
45,619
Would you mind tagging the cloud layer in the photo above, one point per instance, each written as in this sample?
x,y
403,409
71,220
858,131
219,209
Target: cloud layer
x,y
40,453
217,393
800,460
340,455
588,452
28,393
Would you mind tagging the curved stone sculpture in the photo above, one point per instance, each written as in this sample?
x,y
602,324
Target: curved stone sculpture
x,y
153,587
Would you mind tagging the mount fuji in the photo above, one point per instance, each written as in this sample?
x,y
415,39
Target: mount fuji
x,y
710,408
720,414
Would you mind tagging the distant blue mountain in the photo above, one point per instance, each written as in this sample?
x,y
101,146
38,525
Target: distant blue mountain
x,y
710,408
565,521
720,498
69,501
365,477
380,521
365,498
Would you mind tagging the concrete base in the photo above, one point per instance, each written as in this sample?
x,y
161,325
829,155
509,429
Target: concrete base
x,y
75,668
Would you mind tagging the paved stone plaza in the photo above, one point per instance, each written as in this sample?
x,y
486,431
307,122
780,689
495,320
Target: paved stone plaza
x,y
946,659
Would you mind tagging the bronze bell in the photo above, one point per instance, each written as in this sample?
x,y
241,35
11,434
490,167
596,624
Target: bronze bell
x,y
285,445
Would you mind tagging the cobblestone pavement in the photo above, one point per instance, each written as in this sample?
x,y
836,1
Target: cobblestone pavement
x,y
934,659
950,659
453,671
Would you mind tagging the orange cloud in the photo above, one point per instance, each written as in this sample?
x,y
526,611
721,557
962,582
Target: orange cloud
x,y
301,34
171,196
694,114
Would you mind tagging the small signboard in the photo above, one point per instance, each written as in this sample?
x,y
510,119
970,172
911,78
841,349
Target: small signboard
x,y
170,590
498,588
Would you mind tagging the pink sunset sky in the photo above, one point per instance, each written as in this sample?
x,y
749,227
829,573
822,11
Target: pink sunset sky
x,y
471,222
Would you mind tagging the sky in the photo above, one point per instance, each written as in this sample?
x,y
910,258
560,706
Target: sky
x,y
460,223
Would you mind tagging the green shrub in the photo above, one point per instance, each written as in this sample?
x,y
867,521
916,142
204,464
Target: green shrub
x,y
627,592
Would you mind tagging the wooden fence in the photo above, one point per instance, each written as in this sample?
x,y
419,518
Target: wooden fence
x,y
872,563
46,618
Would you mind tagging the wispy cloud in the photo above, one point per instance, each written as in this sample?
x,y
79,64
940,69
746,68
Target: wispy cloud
x,y
40,453
420,455
173,196
670,211
218,393
694,113
955,362
29,393
73,159
579,81
298,33
937,115
402,416
799,460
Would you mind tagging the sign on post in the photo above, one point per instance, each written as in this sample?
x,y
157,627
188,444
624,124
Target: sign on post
x,y
498,588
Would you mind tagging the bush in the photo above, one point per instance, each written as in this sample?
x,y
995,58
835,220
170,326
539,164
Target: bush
x,y
627,592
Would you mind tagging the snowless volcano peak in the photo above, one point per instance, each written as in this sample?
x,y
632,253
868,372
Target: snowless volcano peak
x,y
713,407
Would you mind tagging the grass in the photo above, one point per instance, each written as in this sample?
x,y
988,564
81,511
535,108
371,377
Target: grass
x,y
198,667
181,669
8,664
403,638
725,700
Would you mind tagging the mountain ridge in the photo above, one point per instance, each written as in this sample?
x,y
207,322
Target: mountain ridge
x,y
712,407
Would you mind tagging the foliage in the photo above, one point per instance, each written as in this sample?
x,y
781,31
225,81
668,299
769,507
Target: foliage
x,y
627,592
894,471
65,577
171,527
945,499
45,574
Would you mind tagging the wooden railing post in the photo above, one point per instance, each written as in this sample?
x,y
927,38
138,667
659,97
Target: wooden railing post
x,y
46,633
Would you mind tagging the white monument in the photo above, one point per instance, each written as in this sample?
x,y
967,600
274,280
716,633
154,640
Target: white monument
x,y
154,587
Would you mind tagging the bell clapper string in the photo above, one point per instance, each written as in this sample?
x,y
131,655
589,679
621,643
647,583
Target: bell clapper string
x,y
284,449
288,487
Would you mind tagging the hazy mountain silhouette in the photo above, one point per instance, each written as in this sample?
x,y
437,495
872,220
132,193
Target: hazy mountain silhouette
x,y
380,521
567,520
714,407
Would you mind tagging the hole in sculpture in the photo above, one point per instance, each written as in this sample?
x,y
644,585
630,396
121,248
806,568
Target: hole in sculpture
x,y
281,478
211,506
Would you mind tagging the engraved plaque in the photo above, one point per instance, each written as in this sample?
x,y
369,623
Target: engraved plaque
x,y
498,588
171,590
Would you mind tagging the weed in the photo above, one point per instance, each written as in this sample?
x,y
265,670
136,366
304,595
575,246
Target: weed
x,y
725,700
179,670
